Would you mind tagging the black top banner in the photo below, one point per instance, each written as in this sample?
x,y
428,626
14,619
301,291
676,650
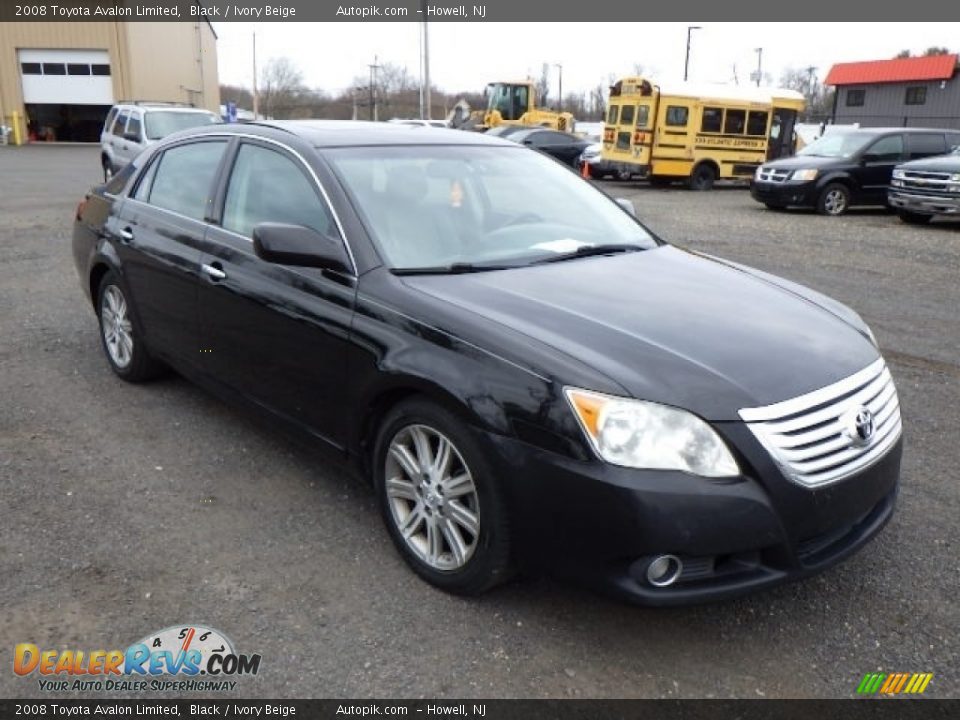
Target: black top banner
x,y
470,11
900,709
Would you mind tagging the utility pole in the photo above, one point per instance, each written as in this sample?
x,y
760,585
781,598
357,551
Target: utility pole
x,y
560,89
686,62
426,64
759,52
373,89
256,99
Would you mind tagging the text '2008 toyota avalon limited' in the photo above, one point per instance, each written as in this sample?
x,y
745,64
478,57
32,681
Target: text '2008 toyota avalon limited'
x,y
527,375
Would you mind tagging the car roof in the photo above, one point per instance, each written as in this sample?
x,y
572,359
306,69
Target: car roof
x,y
161,106
351,133
885,130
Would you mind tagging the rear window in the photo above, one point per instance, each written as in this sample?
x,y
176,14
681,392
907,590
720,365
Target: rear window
x,y
626,115
184,177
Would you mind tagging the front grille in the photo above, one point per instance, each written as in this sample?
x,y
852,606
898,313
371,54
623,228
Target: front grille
x,y
773,175
922,180
814,438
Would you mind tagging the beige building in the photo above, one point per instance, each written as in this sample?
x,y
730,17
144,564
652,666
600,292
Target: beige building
x,y
59,79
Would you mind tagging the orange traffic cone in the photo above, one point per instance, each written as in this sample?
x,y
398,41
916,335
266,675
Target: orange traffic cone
x,y
585,170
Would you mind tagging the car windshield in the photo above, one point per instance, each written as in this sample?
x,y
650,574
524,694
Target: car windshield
x,y
160,123
836,144
464,208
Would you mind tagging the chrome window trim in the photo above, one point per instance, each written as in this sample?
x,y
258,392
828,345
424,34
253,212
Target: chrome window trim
x,y
277,143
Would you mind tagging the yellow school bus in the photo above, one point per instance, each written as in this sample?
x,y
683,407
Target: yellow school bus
x,y
697,133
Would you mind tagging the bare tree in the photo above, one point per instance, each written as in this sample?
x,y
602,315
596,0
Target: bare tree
x,y
805,82
282,90
930,51
542,86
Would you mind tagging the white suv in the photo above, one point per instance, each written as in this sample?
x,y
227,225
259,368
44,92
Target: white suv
x,y
132,126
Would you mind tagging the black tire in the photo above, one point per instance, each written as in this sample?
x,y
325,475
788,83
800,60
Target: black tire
x,y
703,177
834,200
489,562
108,170
776,206
912,218
139,366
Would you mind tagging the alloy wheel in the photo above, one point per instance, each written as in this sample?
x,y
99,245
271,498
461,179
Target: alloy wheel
x,y
116,326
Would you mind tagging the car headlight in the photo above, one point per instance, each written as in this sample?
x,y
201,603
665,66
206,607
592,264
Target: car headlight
x,y
896,183
756,173
899,174
808,174
641,434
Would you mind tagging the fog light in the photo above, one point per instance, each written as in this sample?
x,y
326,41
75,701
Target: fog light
x,y
664,570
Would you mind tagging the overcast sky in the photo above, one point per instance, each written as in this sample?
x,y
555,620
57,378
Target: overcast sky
x,y
466,56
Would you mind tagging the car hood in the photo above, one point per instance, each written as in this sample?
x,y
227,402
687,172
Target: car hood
x,y
941,163
798,162
670,326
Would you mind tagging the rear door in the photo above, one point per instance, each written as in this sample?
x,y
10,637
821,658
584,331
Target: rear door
x,y
160,230
276,334
921,145
876,166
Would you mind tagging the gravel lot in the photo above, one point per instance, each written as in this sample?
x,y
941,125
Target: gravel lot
x,y
128,509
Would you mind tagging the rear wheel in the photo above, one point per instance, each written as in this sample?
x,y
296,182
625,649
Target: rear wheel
x,y
834,200
703,177
912,218
439,499
119,334
108,170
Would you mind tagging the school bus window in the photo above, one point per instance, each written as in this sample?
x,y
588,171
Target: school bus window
x,y
735,120
712,120
612,115
643,116
757,123
626,115
677,115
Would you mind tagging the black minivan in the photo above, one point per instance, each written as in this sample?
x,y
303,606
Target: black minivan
x,y
845,167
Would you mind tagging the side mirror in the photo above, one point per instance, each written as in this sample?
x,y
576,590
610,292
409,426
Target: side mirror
x,y
626,205
298,245
528,142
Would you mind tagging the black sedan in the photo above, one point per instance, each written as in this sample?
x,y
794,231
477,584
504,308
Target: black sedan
x,y
526,374
563,146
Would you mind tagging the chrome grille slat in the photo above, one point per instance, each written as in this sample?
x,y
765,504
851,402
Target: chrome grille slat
x,y
774,175
806,435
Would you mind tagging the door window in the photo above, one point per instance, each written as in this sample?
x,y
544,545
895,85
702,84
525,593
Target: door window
x,y
925,145
267,186
757,123
120,124
184,177
133,127
885,150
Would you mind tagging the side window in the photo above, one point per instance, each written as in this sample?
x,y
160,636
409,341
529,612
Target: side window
x,y
184,176
612,114
953,142
626,115
757,123
120,124
735,122
926,145
888,149
267,186
111,116
133,127
677,115
643,116
712,120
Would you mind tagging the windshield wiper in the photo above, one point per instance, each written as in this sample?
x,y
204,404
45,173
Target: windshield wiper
x,y
456,268
589,250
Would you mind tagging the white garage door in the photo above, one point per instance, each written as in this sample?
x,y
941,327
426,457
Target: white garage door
x,y
66,77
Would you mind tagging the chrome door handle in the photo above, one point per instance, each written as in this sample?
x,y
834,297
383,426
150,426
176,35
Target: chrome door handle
x,y
214,273
126,234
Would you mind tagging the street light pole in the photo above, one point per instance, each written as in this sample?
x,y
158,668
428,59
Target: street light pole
x,y
686,62
759,52
560,101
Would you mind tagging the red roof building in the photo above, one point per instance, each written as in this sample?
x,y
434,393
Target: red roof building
x,y
914,91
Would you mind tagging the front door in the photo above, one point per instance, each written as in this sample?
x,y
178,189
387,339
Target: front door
x,y
276,334
782,142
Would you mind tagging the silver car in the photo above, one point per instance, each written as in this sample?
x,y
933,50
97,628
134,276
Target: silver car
x,y
130,127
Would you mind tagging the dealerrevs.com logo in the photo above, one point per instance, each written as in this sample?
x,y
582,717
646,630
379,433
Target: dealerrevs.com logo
x,y
180,658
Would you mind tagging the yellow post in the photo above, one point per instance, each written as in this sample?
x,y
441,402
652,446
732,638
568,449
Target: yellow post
x,y
15,122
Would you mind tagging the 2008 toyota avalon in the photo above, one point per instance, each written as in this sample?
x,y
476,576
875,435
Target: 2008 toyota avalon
x,y
528,376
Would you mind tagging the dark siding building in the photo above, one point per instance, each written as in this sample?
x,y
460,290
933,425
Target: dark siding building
x,y
914,92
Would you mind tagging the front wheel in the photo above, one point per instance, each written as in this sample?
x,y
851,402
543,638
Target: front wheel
x,y
440,501
108,171
703,178
834,200
912,218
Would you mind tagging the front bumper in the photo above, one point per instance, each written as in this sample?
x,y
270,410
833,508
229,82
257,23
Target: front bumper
x,y
802,194
924,204
603,524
